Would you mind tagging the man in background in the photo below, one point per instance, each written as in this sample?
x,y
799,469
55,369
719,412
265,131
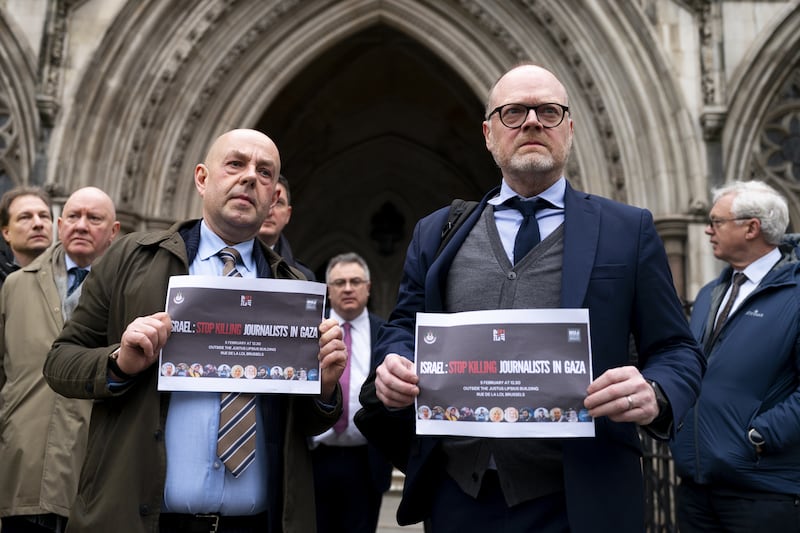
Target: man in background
x,y
738,452
350,476
271,232
42,434
27,226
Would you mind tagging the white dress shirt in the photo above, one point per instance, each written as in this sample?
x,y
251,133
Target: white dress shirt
x,y
755,272
360,360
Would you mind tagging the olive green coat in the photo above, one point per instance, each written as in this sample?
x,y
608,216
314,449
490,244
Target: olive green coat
x,y
122,482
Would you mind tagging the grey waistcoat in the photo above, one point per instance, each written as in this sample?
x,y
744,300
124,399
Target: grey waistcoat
x,y
481,277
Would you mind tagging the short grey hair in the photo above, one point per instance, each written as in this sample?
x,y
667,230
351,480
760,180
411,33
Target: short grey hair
x,y
349,257
756,199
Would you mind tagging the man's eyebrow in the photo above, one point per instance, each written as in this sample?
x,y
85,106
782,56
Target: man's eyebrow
x,y
238,154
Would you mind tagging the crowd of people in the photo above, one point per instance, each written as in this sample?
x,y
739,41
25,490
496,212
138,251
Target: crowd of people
x,y
89,442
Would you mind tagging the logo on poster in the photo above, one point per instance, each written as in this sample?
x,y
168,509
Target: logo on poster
x,y
178,298
246,301
499,335
430,338
573,335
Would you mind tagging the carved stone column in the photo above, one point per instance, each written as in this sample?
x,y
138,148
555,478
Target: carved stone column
x,y
673,231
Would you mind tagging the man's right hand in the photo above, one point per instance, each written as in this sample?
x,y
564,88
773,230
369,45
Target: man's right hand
x,y
142,341
396,381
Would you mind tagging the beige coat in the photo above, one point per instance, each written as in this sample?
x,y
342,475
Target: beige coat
x,y
42,434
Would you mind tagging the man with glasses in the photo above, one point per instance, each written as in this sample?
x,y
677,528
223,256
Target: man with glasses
x,y
534,242
738,452
350,476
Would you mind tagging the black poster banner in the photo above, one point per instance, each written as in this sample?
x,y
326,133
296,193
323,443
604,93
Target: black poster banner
x,y
489,373
242,335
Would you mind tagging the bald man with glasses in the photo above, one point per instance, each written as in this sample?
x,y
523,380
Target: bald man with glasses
x,y
535,242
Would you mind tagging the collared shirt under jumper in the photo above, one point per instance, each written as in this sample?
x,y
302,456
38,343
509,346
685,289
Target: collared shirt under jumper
x,y
508,221
534,282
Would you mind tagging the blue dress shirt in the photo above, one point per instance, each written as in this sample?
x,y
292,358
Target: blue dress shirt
x,y
197,481
508,221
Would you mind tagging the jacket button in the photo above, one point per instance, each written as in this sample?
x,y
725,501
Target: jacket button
x,y
512,275
158,434
144,509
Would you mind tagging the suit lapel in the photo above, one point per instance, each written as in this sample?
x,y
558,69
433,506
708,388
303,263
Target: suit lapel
x,y
581,234
436,277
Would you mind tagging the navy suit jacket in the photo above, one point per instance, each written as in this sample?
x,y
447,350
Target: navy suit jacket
x,y
615,265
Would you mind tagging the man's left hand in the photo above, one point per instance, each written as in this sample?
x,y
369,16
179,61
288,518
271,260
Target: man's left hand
x,y
332,357
623,395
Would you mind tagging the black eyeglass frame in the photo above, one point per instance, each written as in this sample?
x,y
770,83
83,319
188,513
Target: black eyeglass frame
x,y
528,108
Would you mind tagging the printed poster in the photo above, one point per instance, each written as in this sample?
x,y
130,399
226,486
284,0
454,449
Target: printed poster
x,y
504,373
233,334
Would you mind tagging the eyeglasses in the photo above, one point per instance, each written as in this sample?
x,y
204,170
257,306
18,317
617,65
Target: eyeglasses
x,y
341,283
514,116
717,222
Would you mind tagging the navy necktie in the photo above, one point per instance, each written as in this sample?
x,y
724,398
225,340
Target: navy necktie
x,y
78,275
528,234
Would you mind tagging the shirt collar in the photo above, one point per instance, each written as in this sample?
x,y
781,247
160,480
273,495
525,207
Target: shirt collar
x,y
759,268
211,243
357,322
553,194
69,263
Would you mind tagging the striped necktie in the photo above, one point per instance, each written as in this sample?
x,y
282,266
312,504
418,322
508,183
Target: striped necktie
x,y
236,439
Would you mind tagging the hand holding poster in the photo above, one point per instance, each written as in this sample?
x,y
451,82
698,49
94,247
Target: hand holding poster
x,y
242,335
488,373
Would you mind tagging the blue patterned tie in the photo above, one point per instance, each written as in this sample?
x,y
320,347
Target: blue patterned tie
x,y
236,439
78,275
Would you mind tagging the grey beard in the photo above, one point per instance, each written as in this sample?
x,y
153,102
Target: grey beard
x,y
527,164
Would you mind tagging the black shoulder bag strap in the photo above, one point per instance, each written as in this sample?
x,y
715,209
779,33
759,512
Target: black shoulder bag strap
x,y
459,212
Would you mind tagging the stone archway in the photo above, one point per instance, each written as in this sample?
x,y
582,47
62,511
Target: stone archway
x,y
374,134
19,124
167,79
762,133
